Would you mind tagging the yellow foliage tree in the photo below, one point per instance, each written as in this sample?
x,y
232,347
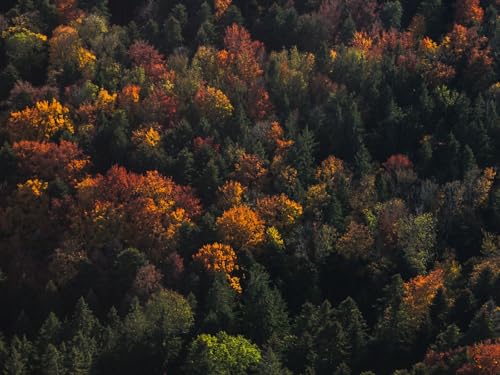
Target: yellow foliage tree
x,y
40,122
330,170
230,194
213,103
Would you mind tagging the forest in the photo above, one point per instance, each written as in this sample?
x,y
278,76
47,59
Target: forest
x,y
236,187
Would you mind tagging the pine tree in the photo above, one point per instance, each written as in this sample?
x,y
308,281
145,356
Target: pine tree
x,y
302,156
448,339
355,328
81,354
52,361
83,320
271,364
485,324
220,307
173,33
19,357
264,310
49,333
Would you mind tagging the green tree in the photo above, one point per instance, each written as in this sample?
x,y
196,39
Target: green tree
x,y
52,361
302,156
391,14
417,240
220,306
173,33
271,364
355,328
264,310
222,354
485,324
19,357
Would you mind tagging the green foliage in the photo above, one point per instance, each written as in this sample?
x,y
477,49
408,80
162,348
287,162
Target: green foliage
x,y
222,354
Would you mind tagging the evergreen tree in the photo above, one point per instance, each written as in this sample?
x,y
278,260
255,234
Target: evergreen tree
x,y
355,328
485,324
52,361
302,155
220,307
264,310
173,33
271,364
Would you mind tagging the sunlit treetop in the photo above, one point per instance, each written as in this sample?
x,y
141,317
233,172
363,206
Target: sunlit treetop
x,y
40,122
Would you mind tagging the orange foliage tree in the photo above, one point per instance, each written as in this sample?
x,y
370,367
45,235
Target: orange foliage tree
x,y
241,227
142,211
420,291
356,242
485,359
220,258
221,7
469,12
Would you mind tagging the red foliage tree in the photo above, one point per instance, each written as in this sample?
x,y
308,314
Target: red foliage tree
x,y
50,161
146,56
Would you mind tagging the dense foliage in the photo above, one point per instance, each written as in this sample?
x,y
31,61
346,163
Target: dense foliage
x,y
264,187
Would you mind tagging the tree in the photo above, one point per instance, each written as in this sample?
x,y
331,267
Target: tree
x,y
220,258
302,155
241,227
173,31
357,242
391,14
220,306
484,325
51,161
421,291
484,358
279,210
469,12
417,239
52,361
265,314
143,211
41,122
147,57
26,51
222,354
68,59
271,364
213,104
395,331
170,318
355,328
18,360
49,333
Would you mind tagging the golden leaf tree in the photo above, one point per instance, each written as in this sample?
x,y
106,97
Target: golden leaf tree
x,y
41,122
241,227
222,258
